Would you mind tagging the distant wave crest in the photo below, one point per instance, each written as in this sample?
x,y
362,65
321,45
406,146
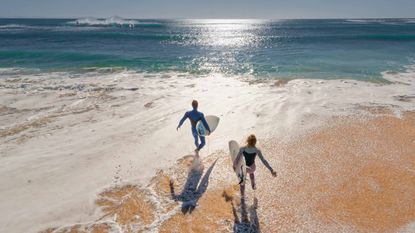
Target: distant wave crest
x,y
112,21
382,21
13,26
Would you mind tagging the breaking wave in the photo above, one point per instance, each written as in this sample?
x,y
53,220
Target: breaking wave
x,y
381,21
112,21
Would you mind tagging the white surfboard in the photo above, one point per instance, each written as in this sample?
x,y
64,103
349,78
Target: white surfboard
x,y
240,167
212,121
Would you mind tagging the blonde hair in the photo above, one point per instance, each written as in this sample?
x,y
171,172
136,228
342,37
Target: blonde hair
x,y
251,141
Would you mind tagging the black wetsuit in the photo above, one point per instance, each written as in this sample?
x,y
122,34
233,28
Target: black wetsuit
x,y
249,158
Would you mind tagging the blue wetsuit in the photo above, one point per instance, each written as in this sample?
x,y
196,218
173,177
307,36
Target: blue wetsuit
x,y
194,117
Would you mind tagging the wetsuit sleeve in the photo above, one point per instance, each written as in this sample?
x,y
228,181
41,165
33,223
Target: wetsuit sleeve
x,y
182,120
238,157
264,161
205,123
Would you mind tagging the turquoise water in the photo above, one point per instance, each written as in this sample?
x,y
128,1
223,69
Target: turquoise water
x,y
329,49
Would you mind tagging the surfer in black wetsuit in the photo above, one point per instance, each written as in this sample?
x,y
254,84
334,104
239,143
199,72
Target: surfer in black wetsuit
x,y
194,117
250,152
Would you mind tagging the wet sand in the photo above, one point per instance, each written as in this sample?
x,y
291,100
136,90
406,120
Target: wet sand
x,y
355,174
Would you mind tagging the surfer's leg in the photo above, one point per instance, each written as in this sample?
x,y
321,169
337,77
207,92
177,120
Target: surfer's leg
x,y
251,171
252,177
196,137
202,143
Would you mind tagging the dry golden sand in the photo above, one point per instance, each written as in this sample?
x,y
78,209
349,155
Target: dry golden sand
x,y
380,193
354,175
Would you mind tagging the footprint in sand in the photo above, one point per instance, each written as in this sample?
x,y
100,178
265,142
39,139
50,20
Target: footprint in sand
x,y
117,177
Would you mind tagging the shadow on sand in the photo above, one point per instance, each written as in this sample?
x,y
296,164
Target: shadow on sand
x,y
193,190
246,224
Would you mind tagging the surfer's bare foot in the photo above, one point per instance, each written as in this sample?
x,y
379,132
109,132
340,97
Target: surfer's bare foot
x,y
253,186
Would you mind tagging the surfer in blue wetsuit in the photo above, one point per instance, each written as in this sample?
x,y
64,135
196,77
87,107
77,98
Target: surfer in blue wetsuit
x,y
194,117
250,151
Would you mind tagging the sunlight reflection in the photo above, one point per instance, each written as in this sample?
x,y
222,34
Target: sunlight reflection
x,y
223,41
226,33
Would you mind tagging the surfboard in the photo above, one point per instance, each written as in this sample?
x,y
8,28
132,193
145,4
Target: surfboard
x,y
240,167
212,121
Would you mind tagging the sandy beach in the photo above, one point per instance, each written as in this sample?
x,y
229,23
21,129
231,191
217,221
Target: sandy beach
x,y
330,180
99,152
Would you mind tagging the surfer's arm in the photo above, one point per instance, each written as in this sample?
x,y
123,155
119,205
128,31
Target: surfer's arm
x,y
205,123
265,162
182,120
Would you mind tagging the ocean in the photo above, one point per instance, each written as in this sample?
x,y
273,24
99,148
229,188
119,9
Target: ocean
x,y
360,49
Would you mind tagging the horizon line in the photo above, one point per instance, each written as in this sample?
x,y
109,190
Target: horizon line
x,y
173,18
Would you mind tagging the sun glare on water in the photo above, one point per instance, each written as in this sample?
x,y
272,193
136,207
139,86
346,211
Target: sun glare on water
x,y
223,41
226,33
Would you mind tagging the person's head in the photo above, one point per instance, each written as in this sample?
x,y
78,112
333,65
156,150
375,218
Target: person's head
x,y
195,104
251,140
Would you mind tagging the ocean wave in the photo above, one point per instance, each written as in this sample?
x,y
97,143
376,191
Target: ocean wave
x,y
104,70
404,76
8,27
364,20
112,21
16,26
12,26
381,21
17,72
410,21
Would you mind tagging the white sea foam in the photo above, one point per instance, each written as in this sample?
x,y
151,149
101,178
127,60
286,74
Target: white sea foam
x,y
381,21
15,72
409,228
112,21
8,26
78,131
18,27
409,20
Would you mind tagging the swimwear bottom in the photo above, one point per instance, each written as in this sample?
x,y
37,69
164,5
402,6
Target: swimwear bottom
x,y
251,169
